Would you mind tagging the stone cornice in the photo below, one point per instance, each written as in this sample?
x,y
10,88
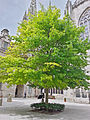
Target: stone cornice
x,y
77,3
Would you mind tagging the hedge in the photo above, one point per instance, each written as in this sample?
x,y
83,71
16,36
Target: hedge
x,y
48,107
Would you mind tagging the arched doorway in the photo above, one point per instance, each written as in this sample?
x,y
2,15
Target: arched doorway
x,y
19,92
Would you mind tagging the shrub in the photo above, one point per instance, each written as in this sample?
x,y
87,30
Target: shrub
x,y
48,107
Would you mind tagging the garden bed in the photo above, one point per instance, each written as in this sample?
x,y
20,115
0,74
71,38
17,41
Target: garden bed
x,y
50,107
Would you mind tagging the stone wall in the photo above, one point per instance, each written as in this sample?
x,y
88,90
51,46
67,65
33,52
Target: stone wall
x,y
6,91
77,12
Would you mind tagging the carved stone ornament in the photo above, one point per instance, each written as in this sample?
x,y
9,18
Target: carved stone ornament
x,y
78,2
84,20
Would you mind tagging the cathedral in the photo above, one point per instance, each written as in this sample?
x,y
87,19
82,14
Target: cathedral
x,y
79,12
80,15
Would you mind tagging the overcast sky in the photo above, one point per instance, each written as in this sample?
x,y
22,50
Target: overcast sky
x,y
12,11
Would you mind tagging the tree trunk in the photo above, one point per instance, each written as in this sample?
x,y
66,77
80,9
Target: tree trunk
x,y
46,96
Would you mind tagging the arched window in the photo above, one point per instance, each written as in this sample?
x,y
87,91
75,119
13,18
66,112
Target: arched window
x,y
85,21
5,45
77,92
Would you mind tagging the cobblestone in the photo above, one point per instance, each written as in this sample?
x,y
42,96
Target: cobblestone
x,y
19,109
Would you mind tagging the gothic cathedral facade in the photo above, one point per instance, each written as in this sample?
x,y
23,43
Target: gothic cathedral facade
x,y
80,15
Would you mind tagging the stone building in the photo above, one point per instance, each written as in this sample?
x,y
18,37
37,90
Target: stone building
x,y
80,14
4,43
18,90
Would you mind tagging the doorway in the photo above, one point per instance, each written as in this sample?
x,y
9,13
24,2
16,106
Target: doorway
x,y
19,92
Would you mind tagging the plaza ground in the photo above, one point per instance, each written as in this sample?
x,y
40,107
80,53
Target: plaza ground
x,y
19,109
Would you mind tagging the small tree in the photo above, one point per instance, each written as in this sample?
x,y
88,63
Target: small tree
x,y
47,53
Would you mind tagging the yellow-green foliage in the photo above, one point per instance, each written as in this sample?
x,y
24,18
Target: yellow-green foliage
x,y
46,52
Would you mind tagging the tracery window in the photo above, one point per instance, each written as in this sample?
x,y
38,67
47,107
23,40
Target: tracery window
x,y
85,21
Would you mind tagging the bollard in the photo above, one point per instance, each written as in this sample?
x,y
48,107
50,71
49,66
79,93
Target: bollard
x,y
64,99
9,99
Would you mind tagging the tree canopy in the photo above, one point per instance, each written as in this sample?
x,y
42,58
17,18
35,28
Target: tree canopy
x,y
47,52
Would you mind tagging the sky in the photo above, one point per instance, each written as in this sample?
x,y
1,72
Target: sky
x,y
12,11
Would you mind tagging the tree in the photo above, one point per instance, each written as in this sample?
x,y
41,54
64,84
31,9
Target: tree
x,y
47,53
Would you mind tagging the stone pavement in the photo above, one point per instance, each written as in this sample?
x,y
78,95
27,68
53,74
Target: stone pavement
x,y
19,109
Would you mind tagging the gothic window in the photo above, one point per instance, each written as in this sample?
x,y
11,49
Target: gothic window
x,y
86,27
85,21
5,45
84,95
54,90
77,92
61,91
49,91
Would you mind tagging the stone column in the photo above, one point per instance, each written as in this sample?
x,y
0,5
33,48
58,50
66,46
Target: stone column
x,y
1,99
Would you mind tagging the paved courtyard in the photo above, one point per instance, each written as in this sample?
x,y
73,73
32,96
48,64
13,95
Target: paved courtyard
x,y
19,109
